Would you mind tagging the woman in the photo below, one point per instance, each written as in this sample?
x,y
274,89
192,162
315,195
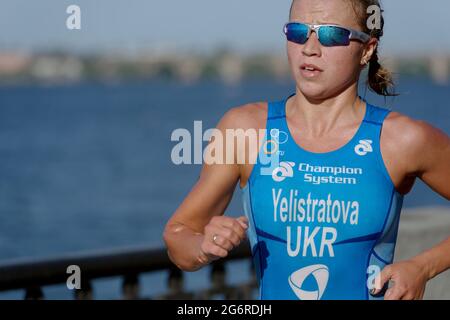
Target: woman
x,y
330,205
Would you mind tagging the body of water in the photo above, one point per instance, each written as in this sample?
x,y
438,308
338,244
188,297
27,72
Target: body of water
x,y
88,166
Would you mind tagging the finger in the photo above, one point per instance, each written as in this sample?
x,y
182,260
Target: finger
x,y
244,223
205,257
231,222
388,294
222,240
408,296
229,228
421,294
231,236
221,235
381,279
213,251
218,251
243,220
393,294
235,226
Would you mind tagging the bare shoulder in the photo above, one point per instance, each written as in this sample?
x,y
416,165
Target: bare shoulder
x,y
251,115
412,133
410,139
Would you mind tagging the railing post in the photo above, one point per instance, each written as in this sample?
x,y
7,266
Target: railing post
x,y
175,281
85,293
247,292
15,275
34,293
218,275
130,287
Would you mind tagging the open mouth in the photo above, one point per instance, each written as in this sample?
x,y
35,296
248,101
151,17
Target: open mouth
x,y
310,70
310,67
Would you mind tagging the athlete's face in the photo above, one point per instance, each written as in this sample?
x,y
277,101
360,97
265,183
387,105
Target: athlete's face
x,y
340,65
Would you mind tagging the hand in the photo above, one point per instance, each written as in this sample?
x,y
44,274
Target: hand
x,y
228,233
409,279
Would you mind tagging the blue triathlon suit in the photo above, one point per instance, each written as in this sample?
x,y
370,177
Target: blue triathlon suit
x,y
321,225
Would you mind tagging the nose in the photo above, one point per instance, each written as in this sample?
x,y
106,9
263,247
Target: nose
x,y
312,46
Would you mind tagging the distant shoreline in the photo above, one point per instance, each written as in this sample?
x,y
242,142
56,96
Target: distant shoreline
x,y
225,65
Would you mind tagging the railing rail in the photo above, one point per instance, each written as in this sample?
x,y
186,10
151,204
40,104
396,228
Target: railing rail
x,y
127,263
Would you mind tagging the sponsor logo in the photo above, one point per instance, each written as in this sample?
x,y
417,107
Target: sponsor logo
x,y
327,174
319,272
285,170
364,147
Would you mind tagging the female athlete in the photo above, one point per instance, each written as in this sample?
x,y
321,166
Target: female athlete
x,y
324,188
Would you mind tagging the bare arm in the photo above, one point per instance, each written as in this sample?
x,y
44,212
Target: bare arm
x,y
433,158
433,163
435,260
425,151
184,233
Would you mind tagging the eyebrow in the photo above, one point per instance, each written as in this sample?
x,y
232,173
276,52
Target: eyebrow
x,y
319,22
323,22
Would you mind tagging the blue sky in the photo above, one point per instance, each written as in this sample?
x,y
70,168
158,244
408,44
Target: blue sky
x,y
412,26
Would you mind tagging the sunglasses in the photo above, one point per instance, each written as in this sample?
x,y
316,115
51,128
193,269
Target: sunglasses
x,y
329,35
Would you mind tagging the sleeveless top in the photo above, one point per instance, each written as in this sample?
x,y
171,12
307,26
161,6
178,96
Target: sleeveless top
x,y
321,225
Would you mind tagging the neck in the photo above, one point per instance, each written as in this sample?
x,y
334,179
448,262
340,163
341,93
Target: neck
x,y
320,117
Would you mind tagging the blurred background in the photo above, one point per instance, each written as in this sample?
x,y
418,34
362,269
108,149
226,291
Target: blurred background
x,y
86,115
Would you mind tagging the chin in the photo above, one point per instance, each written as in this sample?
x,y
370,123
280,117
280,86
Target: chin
x,y
312,91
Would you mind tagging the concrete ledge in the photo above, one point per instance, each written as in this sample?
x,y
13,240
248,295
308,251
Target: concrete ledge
x,y
421,229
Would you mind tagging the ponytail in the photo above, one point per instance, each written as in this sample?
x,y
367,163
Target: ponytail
x,y
379,78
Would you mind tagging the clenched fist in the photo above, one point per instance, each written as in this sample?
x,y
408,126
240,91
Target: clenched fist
x,y
222,234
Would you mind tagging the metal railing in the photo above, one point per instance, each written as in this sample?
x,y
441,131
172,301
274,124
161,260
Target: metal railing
x,y
129,263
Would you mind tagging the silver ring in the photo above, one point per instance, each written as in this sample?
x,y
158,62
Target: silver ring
x,y
215,238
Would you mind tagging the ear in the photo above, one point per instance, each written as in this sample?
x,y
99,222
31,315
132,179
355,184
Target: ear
x,y
369,49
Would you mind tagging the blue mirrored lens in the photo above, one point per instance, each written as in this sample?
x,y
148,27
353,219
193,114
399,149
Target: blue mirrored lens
x,y
334,36
297,32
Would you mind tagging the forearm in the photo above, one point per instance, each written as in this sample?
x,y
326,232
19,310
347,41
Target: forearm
x,y
183,246
435,260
